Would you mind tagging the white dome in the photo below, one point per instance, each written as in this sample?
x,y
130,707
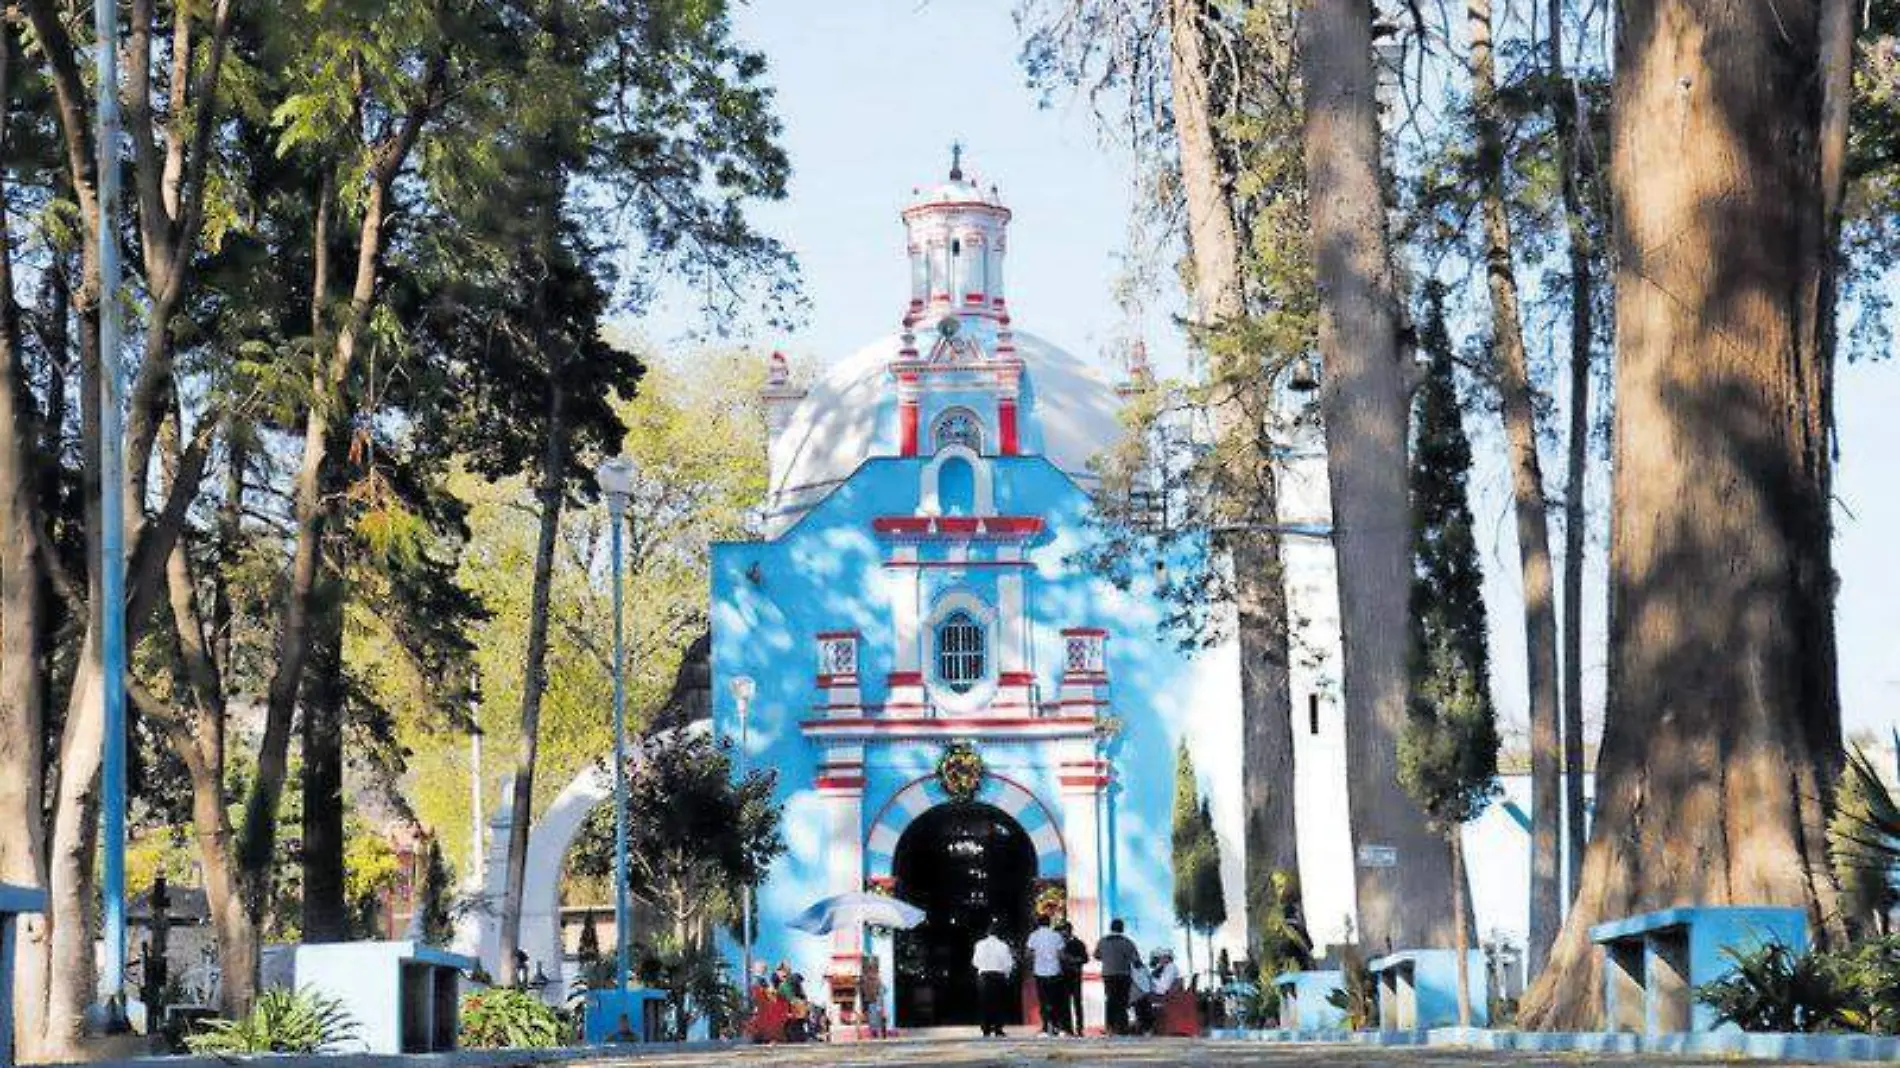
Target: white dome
x,y
1070,413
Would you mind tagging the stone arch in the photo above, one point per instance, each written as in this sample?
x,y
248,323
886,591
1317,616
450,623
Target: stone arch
x,y
984,502
1038,820
548,842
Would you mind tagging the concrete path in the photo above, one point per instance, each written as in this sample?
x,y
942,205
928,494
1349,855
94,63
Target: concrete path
x,y
1091,1053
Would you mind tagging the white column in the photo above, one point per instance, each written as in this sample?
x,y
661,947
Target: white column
x,y
1083,776
904,585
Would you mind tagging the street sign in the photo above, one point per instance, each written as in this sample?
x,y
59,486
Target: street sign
x,y
1378,856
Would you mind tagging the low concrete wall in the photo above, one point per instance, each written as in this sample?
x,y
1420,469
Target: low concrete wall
x,y
472,1058
1773,1047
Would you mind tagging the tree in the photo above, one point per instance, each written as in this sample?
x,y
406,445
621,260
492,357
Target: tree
x,y
1210,897
1448,755
1201,87
1527,492
1363,401
1723,724
694,835
1186,841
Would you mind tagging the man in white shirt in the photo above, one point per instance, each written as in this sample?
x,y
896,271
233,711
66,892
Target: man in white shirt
x,y
994,963
1045,958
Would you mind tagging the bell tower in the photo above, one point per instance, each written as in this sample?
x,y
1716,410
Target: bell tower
x,y
957,348
955,233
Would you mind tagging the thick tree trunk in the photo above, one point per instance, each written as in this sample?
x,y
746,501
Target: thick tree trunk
x,y
1461,917
1527,492
22,623
1364,405
1723,721
1567,124
552,492
1271,843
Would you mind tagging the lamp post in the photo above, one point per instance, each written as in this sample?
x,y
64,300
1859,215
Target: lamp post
x,y
111,604
616,481
742,690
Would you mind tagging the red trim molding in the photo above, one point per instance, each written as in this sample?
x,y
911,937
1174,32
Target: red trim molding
x,y
839,782
905,678
1084,632
830,682
1006,424
825,635
958,526
1016,678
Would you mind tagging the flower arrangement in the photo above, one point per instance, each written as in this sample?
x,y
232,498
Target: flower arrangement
x,y
960,771
1052,900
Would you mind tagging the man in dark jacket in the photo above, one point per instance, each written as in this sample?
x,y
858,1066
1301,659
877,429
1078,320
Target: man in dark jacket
x,y
1075,957
1119,958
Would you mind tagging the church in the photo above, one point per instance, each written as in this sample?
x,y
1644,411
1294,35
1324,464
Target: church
x,y
959,713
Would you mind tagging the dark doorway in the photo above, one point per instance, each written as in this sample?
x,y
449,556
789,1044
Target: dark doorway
x,y
962,863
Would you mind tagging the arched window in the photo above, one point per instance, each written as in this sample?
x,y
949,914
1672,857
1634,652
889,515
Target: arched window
x,y
958,426
960,651
956,487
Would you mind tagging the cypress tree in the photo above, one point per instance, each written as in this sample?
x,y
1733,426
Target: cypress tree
x,y
1448,753
1187,820
1210,898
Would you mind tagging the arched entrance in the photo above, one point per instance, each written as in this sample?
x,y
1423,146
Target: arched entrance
x,y
963,863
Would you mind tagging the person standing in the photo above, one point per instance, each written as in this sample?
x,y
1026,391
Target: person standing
x,y
871,996
994,964
1120,960
1075,957
1045,959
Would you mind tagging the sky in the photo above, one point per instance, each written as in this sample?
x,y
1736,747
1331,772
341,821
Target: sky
x,y
873,92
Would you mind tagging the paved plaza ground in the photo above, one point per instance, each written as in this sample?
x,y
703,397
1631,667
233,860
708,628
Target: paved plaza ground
x,y
1088,1053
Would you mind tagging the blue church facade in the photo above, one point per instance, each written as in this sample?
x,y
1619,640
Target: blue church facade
x,y
957,712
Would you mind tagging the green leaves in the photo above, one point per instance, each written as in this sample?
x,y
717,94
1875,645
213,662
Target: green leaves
x,y
281,1021
505,1018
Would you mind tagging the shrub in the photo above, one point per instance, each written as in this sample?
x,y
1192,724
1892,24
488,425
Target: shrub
x,y
1775,989
505,1018
280,1021
1359,996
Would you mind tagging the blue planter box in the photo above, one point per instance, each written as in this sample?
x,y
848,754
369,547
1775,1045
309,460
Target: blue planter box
x,y
1303,1000
1653,962
1418,988
13,901
602,1010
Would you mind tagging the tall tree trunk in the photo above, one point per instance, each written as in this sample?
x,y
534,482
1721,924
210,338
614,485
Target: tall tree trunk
x,y
1723,720
22,629
1569,125
552,491
1364,405
1461,916
1527,491
1272,843
326,916
22,617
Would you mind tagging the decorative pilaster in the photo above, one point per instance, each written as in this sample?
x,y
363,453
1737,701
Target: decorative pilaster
x,y
840,784
906,697
1084,672
1015,683
838,674
908,401
1009,378
1084,778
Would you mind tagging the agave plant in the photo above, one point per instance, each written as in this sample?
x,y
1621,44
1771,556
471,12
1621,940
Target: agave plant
x,y
1864,842
1773,988
280,1021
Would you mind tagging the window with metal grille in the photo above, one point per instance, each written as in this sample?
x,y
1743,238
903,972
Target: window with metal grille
x,y
960,654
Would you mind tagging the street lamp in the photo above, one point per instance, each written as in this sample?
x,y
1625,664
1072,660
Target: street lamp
x,y
743,688
615,478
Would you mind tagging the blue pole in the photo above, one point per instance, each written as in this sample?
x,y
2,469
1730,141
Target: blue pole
x,y
616,508
111,607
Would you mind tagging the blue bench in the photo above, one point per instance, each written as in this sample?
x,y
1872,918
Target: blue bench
x,y
602,1010
14,900
1418,989
1303,1000
405,997
1653,962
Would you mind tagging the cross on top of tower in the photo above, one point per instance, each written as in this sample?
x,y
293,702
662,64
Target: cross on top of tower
x,y
956,161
